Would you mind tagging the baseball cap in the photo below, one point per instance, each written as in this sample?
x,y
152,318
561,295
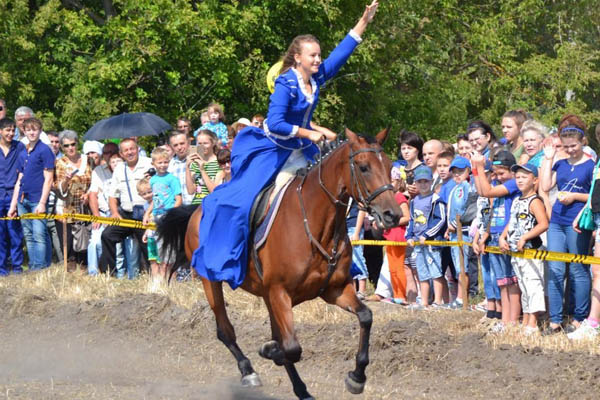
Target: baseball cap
x,y
504,158
460,162
423,172
525,167
488,166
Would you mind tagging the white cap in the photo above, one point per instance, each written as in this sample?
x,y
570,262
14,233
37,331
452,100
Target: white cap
x,y
92,146
244,121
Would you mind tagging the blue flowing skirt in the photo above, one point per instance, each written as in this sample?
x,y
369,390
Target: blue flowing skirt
x,y
222,254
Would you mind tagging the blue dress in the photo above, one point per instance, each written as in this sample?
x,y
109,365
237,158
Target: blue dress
x,y
257,157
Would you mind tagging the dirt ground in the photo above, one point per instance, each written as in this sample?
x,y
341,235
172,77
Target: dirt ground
x,y
61,342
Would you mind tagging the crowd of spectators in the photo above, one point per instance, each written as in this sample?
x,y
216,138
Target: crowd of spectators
x,y
527,189
56,173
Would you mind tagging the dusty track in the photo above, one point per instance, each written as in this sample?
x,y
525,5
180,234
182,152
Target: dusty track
x,y
128,343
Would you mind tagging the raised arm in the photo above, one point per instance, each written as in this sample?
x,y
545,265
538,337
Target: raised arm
x,y
366,18
548,177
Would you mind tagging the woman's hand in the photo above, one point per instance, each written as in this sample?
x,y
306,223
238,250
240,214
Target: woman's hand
x,y
477,159
355,236
315,136
549,149
566,198
370,11
576,222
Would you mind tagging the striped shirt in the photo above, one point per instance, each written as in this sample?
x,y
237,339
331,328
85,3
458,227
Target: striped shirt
x,y
211,168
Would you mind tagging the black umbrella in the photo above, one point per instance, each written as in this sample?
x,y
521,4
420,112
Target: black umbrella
x,y
127,125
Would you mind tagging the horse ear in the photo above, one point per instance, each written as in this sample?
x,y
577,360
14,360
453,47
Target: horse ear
x,y
381,136
353,137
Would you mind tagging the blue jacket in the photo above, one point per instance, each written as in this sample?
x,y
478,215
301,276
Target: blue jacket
x,y
457,203
436,220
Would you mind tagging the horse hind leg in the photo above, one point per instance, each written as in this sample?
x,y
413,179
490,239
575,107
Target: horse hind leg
x,y
226,333
346,299
284,349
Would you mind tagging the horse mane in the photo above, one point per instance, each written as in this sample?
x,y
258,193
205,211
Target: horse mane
x,y
331,147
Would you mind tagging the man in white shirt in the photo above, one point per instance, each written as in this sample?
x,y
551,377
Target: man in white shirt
x,y
122,200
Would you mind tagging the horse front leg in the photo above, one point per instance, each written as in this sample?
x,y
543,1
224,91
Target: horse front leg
x,y
346,299
284,349
226,333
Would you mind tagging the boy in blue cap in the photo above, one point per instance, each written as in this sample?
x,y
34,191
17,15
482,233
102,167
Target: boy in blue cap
x,y
428,218
457,205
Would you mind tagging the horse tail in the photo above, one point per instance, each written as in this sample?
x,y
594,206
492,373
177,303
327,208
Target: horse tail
x,y
171,231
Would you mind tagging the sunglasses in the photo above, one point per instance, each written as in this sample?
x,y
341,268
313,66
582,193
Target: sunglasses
x,y
227,161
1,108
66,146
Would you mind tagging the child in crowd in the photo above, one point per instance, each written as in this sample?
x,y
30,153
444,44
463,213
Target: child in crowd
x,y
215,124
457,205
480,237
35,181
202,167
354,224
503,193
391,284
428,218
11,233
528,220
443,169
166,194
463,146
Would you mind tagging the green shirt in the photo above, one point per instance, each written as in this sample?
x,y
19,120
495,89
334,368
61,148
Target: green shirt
x,y
211,168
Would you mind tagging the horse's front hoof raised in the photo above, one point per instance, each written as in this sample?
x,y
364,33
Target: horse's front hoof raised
x,y
353,386
251,380
268,349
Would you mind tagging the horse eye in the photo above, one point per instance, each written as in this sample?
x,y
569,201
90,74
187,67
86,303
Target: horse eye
x,y
364,167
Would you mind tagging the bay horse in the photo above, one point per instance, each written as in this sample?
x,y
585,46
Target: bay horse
x,y
306,255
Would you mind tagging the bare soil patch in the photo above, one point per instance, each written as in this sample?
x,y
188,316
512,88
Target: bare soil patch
x,y
69,336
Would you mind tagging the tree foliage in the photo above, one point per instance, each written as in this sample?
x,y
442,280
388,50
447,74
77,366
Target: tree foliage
x,y
428,66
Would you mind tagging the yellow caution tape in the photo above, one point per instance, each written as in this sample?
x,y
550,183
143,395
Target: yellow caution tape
x,y
125,223
544,255
531,254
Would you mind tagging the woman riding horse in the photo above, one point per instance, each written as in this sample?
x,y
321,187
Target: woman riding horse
x,y
307,253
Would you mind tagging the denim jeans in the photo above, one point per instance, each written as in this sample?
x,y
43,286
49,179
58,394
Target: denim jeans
x,y
94,251
35,231
455,254
358,269
490,286
11,240
429,262
131,259
564,239
500,264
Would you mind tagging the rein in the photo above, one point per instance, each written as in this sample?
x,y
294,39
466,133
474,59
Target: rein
x,y
364,204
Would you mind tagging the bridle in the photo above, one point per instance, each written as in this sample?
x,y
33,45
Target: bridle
x,y
364,203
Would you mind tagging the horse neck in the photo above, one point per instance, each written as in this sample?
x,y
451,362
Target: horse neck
x,y
319,204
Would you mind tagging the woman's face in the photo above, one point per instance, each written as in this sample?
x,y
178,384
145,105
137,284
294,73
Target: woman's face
x,y
532,142
69,147
409,153
479,140
572,146
205,146
464,149
309,58
510,129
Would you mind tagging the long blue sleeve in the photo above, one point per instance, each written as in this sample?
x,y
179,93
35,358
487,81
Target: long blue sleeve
x,y
338,57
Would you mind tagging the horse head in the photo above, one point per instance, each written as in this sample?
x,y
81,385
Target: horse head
x,y
369,181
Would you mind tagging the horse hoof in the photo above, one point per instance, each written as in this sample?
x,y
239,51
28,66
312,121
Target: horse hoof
x,y
266,350
251,380
353,386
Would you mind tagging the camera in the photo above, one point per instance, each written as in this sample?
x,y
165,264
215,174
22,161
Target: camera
x,y
151,172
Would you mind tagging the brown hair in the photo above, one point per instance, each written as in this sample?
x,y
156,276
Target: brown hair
x,y
213,138
447,147
519,116
295,48
218,108
36,123
570,125
448,155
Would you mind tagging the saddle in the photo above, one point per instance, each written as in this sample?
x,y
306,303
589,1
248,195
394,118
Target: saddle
x,y
262,216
